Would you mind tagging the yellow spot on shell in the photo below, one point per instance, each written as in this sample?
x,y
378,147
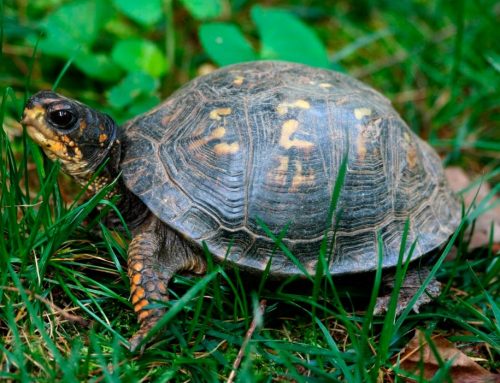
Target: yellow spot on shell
x,y
102,137
284,106
361,145
238,80
288,129
359,113
220,148
218,133
166,119
278,175
300,178
411,156
411,151
303,104
225,148
217,114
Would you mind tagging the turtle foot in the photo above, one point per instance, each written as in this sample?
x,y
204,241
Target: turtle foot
x,y
134,343
412,282
137,340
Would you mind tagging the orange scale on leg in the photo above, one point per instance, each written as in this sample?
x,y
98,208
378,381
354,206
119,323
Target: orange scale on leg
x,y
139,306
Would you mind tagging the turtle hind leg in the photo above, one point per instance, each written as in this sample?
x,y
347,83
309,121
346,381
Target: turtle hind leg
x,y
411,284
154,256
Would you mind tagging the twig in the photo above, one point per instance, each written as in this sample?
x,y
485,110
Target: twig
x,y
256,319
53,307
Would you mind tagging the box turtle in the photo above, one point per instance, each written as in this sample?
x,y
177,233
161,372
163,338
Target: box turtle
x,y
251,143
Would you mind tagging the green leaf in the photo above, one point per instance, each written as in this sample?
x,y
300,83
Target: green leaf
x,y
146,12
142,104
225,44
140,55
130,88
285,37
98,66
74,26
494,60
203,9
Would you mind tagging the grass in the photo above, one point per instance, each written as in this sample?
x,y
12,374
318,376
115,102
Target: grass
x,y
64,312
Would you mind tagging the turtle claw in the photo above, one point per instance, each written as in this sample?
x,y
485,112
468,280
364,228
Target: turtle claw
x,y
138,338
135,341
147,320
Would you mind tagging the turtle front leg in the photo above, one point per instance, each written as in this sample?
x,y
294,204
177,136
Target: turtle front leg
x,y
154,256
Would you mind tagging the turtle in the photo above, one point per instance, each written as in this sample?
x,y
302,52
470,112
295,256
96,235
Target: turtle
x,y
249,150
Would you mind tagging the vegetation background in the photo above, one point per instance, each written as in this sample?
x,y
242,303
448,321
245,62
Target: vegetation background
x,y
64,312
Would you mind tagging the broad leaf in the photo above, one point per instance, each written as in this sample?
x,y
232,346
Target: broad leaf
x,y
98,66
428,356
130,88
225,44
144,12
74,26
139,55
285,37
203,9
142,104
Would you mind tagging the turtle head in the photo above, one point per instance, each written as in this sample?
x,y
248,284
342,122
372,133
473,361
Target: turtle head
x,y
69,131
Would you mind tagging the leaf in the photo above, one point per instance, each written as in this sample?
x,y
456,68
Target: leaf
x,y
74,26
203,9
98,66
130,88
419,358
494,60
140,55
142,104
225,44
144,12
475,193
285,37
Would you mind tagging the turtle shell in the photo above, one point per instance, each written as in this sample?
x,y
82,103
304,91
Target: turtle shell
x,y
256,148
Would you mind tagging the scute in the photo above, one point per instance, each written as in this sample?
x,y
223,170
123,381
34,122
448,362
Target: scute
x,y
263,142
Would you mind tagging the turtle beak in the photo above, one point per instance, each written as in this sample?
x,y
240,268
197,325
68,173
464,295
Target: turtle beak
x,y
56,144
39,131
34,119
28,116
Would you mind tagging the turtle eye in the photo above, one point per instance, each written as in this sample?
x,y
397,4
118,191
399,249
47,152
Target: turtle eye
x,y
62,118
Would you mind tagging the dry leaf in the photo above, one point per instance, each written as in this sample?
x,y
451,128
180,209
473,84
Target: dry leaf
x,y
458,180
418,355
